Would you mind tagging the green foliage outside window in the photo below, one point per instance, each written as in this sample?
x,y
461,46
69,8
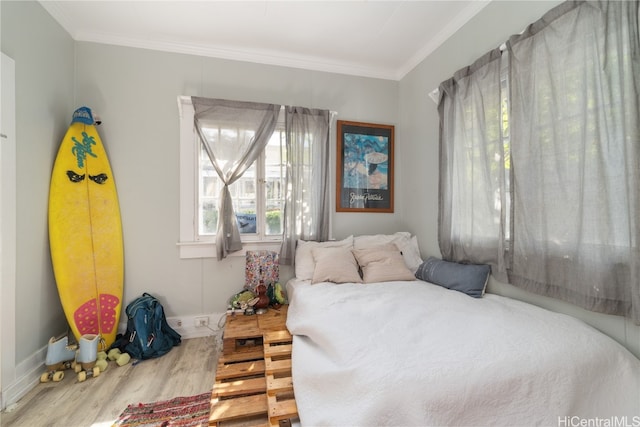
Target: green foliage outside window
x,y
210,221
274,224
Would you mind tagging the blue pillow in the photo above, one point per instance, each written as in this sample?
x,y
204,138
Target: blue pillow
x,y
468,278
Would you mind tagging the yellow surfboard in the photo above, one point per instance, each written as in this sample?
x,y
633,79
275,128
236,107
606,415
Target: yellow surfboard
x,y
85,232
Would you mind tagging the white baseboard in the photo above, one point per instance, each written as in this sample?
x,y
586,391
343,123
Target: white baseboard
x,y
29,370
186,325
27,376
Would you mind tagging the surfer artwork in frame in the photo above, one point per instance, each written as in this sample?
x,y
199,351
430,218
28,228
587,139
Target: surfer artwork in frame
x,y
365,167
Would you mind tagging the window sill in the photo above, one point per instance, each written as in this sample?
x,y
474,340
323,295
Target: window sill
x,y
189,250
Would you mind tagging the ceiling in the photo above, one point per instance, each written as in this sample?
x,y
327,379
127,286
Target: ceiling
x,y
381,39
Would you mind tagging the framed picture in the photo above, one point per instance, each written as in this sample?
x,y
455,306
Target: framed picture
x,y
364,176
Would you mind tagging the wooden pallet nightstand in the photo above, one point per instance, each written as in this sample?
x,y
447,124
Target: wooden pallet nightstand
x,y
253,380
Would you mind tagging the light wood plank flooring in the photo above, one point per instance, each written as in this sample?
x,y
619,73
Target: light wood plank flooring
x,y
186,370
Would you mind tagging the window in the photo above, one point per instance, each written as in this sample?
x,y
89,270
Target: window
x,y
549,154
258,196
472,166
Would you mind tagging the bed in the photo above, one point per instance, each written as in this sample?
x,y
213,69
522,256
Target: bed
x,y
409,352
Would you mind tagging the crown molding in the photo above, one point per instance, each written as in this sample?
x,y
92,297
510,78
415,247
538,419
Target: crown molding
x,y
265,57
254,56
458,22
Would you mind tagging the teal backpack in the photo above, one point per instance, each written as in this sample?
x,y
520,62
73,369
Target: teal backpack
x,y
148,333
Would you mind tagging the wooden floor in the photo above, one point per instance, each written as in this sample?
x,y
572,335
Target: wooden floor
x,y
186,370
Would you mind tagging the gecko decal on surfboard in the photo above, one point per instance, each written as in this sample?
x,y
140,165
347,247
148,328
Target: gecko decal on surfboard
x,y
85,232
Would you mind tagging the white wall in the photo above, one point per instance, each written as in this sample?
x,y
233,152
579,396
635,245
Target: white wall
x,y
135,93
419,123
44,82
7,218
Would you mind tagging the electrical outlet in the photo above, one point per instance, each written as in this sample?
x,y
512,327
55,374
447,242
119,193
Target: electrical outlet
x,y
202,321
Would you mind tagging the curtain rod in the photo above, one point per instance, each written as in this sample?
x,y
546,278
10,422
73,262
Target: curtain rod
x,y
435,93
186,99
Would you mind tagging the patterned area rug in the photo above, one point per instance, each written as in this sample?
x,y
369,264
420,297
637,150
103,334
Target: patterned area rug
x,y
188,411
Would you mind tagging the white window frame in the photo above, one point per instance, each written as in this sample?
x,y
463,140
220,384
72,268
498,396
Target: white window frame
x,y
189,245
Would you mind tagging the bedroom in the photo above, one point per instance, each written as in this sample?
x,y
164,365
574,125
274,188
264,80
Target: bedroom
x,y
55,74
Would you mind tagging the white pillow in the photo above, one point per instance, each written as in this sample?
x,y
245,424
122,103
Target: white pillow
x,y
410,253
335,265
408,246
375,240
382,264
304,262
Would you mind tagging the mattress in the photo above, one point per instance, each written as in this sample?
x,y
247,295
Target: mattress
x,y
413,353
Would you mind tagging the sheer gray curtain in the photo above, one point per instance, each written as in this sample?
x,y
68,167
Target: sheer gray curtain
x,y
307,203
575,78
540,161
233,133
472,195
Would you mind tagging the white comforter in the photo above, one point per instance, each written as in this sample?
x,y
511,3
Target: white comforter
x,y
412,353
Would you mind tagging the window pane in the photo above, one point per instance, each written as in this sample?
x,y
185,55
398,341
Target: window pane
x,y
243,193
275,156
209,188
208,218
268,172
